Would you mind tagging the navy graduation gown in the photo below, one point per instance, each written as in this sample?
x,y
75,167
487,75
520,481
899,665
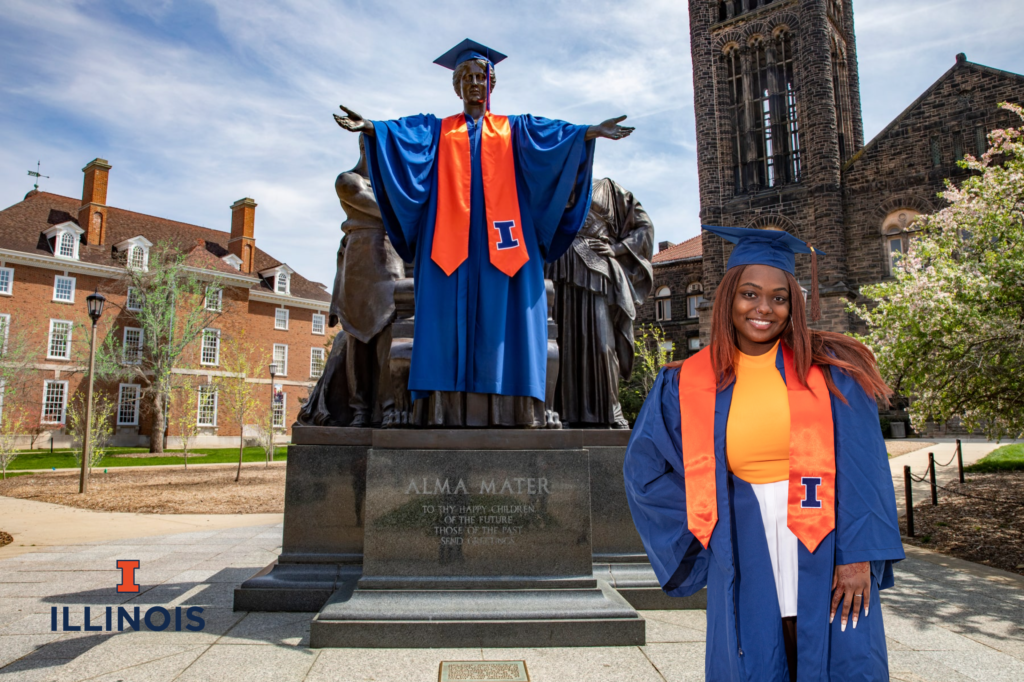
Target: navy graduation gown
x,y
744,635
479,330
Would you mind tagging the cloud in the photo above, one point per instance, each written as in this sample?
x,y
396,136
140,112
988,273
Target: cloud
x,y
197,103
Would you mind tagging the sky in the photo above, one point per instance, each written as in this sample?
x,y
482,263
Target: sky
x,y
199,103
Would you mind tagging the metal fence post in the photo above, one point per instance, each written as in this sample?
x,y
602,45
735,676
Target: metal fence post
x,y
909,493
960,459
931,475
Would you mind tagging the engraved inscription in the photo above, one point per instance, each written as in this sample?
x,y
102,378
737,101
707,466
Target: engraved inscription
x,y
479,671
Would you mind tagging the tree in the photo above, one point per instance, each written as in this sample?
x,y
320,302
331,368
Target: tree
x,y
651,355
948,331
185,416
236,394
103,409
16,357
170,305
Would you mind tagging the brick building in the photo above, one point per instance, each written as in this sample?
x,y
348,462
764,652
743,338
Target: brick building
x,y
55,250
780,145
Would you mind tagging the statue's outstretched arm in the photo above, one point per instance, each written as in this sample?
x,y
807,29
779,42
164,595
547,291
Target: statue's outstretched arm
x,y
355,123
610,129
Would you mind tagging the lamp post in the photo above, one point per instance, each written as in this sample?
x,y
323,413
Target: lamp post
x,y
273,397
94,302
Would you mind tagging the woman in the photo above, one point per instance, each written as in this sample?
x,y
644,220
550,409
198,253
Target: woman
x,y
757,468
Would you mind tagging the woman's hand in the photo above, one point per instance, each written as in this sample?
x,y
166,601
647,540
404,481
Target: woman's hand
x,y
850,584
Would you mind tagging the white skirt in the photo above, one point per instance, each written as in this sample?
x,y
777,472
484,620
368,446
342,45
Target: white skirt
x,y
773,499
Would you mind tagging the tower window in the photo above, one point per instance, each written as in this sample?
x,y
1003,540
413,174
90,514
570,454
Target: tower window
x,y
766,138
841,97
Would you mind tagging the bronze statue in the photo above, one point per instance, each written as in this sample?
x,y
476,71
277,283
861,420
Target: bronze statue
x,y
599,283
355,389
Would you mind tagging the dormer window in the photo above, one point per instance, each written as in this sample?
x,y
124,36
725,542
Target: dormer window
x,y
64,240
279,279
136,252
233,260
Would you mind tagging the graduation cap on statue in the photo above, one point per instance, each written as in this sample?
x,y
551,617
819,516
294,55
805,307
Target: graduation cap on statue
x,y
775,248
470,49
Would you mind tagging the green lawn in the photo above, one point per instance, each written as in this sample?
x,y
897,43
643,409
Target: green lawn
x,y
1006,458
63,459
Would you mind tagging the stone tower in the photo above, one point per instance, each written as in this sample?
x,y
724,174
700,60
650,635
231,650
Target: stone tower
x,y
777,105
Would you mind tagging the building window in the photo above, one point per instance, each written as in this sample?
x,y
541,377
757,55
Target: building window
x,y
279,408
281,318
281,358
64,289
67,245
663,305
55,401
206,412
214,299
128,405
694,343
132,347
59,346
694,297
316,362
210,354
958,147
667,347
936,152
766,133
6,281
980,141
897,229
138,257
319,323
282,285
133,301
727,9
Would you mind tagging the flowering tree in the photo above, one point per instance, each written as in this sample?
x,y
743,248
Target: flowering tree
x,y
949,329
652,354
185,417
103,411
237,393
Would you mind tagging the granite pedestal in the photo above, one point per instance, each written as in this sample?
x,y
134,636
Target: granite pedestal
x,y
323,542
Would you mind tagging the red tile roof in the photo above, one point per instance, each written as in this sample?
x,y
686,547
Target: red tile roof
x,y
22,224
691,248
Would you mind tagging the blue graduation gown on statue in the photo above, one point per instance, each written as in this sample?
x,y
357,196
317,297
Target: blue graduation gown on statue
x,y
479,330
744,635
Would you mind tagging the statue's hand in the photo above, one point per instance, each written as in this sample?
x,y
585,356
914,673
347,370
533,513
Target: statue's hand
x,y
353,122
601,248
610,129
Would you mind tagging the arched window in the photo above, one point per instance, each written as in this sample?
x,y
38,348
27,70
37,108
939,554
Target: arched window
x,y
67,245
897,228
694,297
761,81
663,304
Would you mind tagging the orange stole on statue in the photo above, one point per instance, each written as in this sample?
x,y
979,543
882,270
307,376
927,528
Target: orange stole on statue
x,y
506,245
811,513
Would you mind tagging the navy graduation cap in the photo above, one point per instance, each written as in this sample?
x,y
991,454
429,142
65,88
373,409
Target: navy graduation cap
x,y
466,50
770,247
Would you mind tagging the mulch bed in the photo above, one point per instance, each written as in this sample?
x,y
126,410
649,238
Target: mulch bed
x,y
200,490
984,532
5,538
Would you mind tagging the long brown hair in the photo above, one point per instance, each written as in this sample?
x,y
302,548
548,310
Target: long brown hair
x,y
809,346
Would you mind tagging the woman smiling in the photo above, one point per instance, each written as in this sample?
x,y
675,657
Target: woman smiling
x,y
757,468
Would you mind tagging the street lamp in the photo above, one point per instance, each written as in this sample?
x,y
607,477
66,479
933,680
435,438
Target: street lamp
x,y
273,396
94,302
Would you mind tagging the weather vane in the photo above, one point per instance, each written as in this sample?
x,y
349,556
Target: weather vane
x,y
36,174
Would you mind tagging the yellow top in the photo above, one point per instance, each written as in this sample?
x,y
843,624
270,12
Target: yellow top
x,y
757,434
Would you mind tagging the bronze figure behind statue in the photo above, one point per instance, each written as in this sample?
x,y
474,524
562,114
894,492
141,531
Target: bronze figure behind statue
x,y
355,388
599,283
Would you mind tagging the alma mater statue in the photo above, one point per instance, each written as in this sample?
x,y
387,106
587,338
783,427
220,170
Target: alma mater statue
x,y
479,202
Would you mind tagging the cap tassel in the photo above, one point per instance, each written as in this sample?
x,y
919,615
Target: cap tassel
x,y
815,297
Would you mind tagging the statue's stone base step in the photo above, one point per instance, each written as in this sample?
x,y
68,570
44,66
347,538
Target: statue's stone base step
x,y
638,585
477,618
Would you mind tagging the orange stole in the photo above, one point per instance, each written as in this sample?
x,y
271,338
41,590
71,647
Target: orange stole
x,y
505,241
811,511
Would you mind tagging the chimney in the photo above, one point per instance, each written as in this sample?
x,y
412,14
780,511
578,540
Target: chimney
x,y
92,216
664,245
242,242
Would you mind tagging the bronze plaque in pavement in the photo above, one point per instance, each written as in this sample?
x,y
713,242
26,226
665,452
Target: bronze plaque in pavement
x,y
483,671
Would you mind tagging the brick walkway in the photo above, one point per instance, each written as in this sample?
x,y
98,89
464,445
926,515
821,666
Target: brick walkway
x,y
946,623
